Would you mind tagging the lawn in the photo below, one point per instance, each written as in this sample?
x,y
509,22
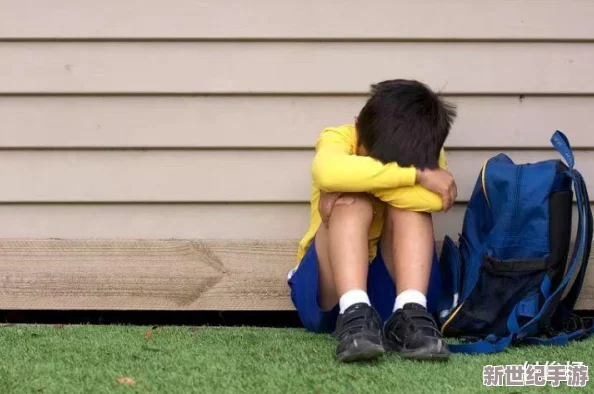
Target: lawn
x,y
126,359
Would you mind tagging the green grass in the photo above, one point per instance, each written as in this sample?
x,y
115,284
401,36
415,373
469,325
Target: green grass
x,y
90,359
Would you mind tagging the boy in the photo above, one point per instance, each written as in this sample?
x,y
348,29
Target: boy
x,y
374,186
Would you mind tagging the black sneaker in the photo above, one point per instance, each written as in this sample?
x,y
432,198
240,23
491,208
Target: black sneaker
x,y
412,332
359,332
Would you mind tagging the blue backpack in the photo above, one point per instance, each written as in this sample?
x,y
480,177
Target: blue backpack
x,y
503,283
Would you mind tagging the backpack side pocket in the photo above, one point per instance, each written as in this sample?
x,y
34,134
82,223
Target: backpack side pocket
x,y
501,285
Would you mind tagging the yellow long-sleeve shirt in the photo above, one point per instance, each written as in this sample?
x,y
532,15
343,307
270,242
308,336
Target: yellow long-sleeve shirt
x,y
337,168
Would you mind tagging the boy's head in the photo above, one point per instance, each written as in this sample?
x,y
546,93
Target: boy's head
x,y
405,122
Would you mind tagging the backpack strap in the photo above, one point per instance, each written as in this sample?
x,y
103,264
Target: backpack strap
x,y
573,326
491,344
585,232
561,144
558,340
580,254
570,299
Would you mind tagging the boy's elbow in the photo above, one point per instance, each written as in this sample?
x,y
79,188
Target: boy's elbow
x,y
325,183
329,183
323,177
326,177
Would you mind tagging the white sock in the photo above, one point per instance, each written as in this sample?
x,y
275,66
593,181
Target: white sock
x,y
353,297
409,296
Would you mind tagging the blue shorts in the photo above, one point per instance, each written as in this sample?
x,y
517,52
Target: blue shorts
x,y
305,289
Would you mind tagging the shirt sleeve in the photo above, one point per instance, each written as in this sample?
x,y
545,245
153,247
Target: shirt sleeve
x,y
336,169
413,198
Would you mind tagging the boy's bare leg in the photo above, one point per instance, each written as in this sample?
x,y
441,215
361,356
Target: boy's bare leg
x,y
343,249
343,260
408,247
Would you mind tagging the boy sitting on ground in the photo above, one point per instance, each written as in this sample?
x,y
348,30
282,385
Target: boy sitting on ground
x,y
364,264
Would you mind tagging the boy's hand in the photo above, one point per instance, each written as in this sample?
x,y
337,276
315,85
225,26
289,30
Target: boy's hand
x,y
327,202
440,182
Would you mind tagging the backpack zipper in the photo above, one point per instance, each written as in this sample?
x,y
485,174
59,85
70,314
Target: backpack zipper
x,y
484,182
449,320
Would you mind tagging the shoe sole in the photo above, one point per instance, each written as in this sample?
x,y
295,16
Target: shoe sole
x,y
361,352
423,354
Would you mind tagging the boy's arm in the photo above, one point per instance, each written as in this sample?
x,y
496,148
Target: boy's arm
x,y
336,169
411,198
414,198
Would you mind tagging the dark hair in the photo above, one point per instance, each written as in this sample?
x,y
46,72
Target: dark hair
x,y
405,122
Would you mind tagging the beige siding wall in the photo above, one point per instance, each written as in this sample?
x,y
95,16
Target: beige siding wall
x,y
196,119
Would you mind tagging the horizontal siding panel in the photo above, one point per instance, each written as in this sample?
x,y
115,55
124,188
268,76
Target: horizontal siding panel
x,y
178,221
186,275
196,176
305,67
492,19
154,221
263,121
